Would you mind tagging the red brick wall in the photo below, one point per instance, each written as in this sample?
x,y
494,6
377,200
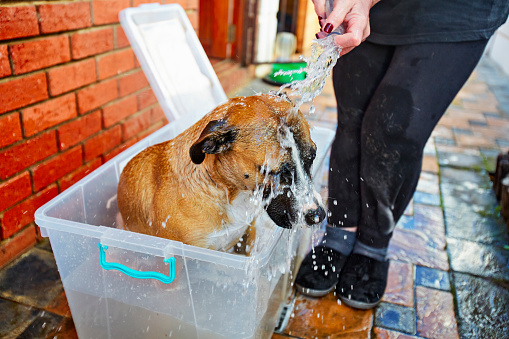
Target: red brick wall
x,y
72,96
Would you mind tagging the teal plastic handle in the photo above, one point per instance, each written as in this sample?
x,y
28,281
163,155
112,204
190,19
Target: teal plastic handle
x,y
137,274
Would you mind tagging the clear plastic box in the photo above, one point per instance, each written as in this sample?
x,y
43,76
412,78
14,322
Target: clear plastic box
x,y
211,294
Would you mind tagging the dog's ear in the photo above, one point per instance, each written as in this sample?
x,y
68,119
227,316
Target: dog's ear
x,y
217,137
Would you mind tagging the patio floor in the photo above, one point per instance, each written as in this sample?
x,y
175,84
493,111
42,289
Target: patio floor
x,y
449,256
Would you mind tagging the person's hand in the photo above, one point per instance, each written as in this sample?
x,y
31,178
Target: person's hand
x,y
353,14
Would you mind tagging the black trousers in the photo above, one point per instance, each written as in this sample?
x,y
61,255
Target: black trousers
x,y
389,100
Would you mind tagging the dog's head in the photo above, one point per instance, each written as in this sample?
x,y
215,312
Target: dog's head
x,y
263,145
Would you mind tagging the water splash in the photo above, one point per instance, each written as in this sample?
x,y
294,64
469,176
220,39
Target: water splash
x,y
324,55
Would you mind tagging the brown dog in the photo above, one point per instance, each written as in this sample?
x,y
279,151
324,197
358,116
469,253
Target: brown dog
x,y
206,186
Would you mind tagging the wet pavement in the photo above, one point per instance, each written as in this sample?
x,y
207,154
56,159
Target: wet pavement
x,y
32,299
449,256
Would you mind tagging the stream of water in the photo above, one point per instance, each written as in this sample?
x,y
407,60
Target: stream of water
x,y
324,55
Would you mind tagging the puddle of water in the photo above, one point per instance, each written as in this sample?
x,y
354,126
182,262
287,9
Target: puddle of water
x,y
483,307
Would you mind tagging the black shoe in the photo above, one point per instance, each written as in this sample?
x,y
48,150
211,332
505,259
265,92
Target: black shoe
x,y
362,282
319,271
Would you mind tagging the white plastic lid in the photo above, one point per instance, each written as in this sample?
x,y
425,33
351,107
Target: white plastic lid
x,y
173,60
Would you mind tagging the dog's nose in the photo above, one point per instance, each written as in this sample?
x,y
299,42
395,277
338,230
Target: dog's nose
x,y
315,216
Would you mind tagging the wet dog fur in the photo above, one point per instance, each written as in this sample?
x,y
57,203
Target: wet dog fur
x,y
197,188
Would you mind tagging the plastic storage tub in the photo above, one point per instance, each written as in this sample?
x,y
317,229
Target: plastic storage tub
x,y
213,295
121,284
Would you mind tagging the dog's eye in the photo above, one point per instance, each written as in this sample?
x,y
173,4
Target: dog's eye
x,y
263,169
312,154
286,174
246,176
308,160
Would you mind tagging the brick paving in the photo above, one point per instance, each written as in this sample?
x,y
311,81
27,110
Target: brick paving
x,y
449,272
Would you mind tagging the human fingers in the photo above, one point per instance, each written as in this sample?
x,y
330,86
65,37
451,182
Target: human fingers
x,y
367,31
320,35
321,22
346,50
320,8
338,14
355,26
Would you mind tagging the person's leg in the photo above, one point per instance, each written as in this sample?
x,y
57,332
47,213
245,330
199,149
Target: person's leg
x,y
419,85
355,78
421,81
